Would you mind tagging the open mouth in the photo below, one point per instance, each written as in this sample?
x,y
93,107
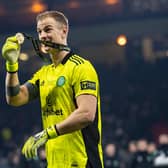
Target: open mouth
x,y
45,48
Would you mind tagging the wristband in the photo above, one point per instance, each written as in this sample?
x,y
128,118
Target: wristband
x,y
11,68
52,132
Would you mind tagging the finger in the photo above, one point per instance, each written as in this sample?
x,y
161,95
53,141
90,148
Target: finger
x,y
11,46
18,38
29,153
27,147
34,153
12,39
30,148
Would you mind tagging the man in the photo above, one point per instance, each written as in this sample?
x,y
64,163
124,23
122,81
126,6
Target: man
x,y
141,158
69,94
111,159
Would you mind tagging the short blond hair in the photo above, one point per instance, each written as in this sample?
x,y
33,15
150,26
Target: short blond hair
x,y
58,16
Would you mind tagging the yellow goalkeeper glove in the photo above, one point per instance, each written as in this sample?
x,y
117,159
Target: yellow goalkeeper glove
x,y
31,146
11,52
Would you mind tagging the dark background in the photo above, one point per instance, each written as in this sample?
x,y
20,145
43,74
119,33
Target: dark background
x,y
133,78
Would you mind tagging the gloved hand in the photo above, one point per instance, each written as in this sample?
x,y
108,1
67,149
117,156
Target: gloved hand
x,y
11,52
34,142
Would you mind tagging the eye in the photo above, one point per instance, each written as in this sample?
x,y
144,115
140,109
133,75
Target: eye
x,y
47,30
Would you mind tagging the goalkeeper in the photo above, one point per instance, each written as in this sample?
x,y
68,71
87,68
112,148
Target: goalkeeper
x,y
68,89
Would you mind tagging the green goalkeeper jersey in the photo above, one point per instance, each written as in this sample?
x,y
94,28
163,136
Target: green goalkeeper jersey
x,y
58,88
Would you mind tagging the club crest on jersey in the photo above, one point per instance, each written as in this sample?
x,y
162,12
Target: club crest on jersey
x,y
61,81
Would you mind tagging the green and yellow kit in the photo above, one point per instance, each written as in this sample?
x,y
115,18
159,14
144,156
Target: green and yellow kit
x,y
58,88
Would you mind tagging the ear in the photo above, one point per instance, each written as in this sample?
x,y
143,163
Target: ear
x,y
65,32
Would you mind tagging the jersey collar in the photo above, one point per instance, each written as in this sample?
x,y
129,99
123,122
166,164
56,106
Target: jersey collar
x,y
67,57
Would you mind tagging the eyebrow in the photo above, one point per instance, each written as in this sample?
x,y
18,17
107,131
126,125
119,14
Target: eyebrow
x,y
47,26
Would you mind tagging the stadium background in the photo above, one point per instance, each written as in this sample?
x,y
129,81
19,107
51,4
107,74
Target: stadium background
x,y
133,76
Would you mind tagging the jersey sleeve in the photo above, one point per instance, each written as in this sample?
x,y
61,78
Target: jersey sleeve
x,y
33,86
35,78
85,80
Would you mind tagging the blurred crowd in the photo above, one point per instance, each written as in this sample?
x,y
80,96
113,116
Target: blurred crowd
x,y
139,153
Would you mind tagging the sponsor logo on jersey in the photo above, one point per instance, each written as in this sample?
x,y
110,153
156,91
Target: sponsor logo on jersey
x,y
61,81
50,108
88,85
50,111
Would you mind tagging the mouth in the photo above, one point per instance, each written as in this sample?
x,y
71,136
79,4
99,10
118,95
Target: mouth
x,y
44,45
45,48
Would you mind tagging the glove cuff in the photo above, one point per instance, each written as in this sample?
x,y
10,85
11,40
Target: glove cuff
x,y
11,68
52,132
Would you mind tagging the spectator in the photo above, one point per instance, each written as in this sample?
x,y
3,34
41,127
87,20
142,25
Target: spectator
x,y
132,149
161,160
140,158
111,156
152,152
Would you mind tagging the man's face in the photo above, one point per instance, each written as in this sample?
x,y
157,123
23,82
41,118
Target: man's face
x,y
50,30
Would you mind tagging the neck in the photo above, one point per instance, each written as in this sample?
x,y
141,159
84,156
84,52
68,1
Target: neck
x,y
58,56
